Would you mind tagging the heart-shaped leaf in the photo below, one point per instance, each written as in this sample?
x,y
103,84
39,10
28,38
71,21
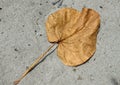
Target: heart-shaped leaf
x,y
75,32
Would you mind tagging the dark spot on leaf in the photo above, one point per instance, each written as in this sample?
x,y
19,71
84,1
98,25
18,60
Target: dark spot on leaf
x,y
79,78
16,49
40,13
114,81
0,8
0,20
40,34
101,7
74,70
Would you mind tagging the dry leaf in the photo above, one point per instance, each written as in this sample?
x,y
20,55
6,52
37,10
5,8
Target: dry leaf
x,y
75,32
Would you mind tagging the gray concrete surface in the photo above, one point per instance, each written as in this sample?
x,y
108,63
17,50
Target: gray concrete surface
x,y
23,39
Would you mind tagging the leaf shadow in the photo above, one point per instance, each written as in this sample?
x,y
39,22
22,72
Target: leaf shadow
x,y
44,57
47,55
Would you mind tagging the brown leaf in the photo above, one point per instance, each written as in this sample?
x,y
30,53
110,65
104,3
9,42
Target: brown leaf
x,y
75,32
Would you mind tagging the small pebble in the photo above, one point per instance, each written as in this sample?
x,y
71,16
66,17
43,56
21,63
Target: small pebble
x,y
101,7
74,70
40,34
40,13
27,67
0,8
16,49
23,25
40,3
29,44
35,31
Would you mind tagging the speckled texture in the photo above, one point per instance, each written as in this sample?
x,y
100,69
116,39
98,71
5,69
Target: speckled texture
x,y
23,39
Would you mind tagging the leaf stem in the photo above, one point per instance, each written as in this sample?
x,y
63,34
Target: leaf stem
x,y
33,65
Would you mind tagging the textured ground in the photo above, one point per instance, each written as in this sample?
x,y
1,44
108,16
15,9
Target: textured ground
x,y
23,39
